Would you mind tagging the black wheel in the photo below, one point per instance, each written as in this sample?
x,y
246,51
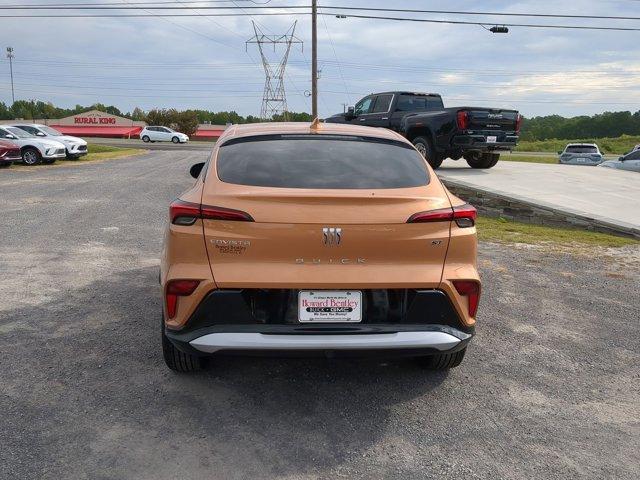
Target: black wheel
x,y
443,361
423,145
146,139
31,156
175,140
486,160
176,360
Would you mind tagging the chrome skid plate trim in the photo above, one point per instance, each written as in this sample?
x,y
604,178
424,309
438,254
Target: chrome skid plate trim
x,y
214,342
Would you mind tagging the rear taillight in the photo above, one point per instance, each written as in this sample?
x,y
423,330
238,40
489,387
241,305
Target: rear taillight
x,y
186,213
463,119
518,123
471,290
178,288
464,215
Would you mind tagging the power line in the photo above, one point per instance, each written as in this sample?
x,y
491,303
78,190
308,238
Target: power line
x,y
368,17
482,24
183,6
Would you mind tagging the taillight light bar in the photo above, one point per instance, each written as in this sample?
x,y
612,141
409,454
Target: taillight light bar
x,y
471,290
518,123
463,119
178,288
464,215
186,213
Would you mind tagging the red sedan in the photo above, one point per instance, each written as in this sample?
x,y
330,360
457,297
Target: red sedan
x,y
9,153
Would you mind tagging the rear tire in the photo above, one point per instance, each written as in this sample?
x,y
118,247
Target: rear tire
x,y
423,145
485,160
177,360
443,361
31,156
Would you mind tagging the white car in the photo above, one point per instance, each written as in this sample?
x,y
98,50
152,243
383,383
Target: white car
x,y
75,147
630,161
33,149
162,134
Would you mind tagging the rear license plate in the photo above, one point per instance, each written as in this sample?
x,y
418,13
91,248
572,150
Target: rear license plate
x,y
325,306
581,159
492,139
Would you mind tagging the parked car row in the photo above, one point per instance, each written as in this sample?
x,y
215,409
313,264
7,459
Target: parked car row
x,y
590,154
40,144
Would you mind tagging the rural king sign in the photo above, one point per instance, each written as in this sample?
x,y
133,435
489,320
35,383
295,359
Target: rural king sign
x,y
94,119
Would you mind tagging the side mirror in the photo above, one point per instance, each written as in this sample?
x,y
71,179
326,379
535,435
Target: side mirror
x,y
351,113
196,169
560,152
621,158
40,134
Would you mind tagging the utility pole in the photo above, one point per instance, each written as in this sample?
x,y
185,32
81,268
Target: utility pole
x,y
10,57
314,59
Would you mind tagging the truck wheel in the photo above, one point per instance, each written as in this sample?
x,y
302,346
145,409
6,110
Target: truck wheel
x,y
486,160
443,361
423,145
176,360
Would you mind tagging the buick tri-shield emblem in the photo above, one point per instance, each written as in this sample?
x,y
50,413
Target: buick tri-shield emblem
x,y
331,236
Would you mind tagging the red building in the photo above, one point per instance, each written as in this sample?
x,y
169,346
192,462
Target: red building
x,y
95,123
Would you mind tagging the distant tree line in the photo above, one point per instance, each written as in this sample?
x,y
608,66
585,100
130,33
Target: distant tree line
x,y
185,120
607,124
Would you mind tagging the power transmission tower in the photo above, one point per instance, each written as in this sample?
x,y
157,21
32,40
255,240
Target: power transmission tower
x,y
274,99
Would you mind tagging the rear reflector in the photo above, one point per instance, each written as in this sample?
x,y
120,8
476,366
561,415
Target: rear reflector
x,y
463,120
464,216
471,290
178,288
186,213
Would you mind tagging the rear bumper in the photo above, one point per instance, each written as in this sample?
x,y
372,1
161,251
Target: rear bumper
x,y
234,321
479,142
385,340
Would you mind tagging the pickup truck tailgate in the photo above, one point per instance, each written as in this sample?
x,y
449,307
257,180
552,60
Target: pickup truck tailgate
x,y
488,119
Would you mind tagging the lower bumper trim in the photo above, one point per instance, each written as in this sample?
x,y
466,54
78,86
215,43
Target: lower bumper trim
x,y
215,342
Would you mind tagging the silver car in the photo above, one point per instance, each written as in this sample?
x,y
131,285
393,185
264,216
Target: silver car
x,y
581,154
33,149
629,161
75,147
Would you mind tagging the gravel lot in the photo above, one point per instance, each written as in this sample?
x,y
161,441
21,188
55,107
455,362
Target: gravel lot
x,y
549,387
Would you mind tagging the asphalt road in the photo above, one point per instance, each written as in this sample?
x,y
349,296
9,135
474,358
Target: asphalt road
x,y
549,388
137,143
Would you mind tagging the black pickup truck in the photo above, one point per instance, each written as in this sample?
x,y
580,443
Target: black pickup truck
x,y
475,134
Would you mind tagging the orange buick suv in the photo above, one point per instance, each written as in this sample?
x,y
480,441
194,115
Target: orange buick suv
x,y
324,238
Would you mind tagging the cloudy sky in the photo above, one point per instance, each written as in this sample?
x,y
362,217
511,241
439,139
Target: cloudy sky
x,y
200,62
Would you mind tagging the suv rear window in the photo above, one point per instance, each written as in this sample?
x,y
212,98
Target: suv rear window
x,y
581,149
320,162
417,103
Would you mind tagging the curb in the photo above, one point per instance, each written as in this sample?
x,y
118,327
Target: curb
x,y
513,207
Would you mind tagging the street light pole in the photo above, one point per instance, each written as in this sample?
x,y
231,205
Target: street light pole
x,y
10,57
314,59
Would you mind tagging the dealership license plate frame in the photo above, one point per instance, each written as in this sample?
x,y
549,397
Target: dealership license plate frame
x,y
333,315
